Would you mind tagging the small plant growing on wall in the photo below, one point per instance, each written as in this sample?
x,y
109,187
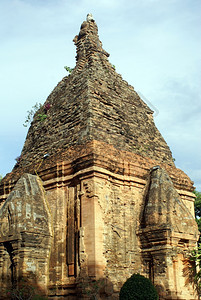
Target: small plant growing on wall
x,y
41,116
47,107
31,113
68,69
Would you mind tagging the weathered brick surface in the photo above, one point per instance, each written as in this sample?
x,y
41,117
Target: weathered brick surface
x,y
25,235
94,103
167,231
105,214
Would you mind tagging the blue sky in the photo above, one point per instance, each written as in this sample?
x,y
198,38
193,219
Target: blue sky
x,y
154,44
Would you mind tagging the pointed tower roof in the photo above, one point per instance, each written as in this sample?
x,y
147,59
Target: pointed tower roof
x,y
93,103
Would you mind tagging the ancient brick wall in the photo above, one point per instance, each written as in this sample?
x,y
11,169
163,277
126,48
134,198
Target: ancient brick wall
x,y
104,200
96,208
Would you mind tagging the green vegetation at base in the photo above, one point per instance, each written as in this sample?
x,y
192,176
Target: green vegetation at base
x,y
137,287
195,255
195,268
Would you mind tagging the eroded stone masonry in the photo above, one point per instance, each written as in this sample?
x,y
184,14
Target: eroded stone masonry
x,y
95,194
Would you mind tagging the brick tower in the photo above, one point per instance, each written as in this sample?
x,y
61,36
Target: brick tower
x,y
95,194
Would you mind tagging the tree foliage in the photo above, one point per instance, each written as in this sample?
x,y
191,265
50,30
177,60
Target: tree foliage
x,y
195,255
197,204
198,211
137,287
195,259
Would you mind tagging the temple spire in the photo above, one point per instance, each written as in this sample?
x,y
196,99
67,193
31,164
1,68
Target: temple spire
x,y
87,42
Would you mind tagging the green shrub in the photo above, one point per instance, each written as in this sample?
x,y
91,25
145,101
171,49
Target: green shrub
x,y
137,287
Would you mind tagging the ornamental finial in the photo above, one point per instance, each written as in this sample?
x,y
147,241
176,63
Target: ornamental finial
x,y
90,17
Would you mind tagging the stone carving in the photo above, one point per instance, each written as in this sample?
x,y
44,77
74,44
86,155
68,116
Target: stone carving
x,y
164,208
25,234
168,229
